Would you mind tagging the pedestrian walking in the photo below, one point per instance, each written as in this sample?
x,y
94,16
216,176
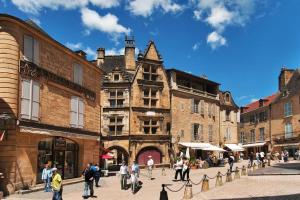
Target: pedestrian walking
x,y
150,164
88,175
282,156
123,173
56,185
135,168
46,177
186,169
262,157
134,181
257,156
251,158
231,161
178,169
97,175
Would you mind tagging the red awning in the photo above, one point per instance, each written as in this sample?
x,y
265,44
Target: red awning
x,y
106,156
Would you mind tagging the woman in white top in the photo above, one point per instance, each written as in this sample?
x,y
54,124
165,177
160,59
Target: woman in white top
x,y
123,172
178,168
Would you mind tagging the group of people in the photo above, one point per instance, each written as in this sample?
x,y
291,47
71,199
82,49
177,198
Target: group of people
x,y
53,181
132,174
182,168
91,174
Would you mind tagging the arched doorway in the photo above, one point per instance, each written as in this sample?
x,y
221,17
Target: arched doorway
x,y
58,152
119,154
143,155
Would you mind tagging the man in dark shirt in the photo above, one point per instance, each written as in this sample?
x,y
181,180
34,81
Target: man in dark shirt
x,y
88,181
251,157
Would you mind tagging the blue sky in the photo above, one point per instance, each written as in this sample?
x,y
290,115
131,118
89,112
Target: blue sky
x,y
241,44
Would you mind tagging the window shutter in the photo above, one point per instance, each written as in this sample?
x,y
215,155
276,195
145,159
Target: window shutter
x,y
192,105
202,107
36,52
200,132
35,100
25,99
80,113
75,73
74,113
192,132
28,48
80,74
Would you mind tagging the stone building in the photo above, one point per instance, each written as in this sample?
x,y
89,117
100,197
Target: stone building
x,y
272,123
285,113
255,125
229,119
49,106
136,105
195,109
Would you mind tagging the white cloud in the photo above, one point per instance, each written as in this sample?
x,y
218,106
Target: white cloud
x,y
196,46
245,97
145,8
107,23
35,6
36,20
74,46
91,54
197,15
121,51
220,14
253,99
105,3
215,40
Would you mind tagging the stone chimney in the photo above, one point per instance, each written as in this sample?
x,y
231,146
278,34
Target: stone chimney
x,y
129,53
100,56
81,53
284,77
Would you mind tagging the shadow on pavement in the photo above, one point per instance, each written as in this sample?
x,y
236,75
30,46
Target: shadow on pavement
x,y
281,197
288,166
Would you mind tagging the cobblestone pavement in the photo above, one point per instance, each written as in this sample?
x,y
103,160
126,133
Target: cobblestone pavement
x,y
260,187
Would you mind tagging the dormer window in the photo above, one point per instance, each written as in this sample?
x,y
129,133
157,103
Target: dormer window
x,y
227,97
116,77
261,103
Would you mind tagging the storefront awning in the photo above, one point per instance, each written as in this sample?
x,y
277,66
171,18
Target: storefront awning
x,y
213,148
202,146
195,145
287,145
56,133
234,147
260,144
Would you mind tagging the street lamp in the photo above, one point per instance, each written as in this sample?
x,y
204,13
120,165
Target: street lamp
x,y
7,121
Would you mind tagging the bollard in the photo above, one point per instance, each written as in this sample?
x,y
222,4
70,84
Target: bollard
x,y
254,166
205,184
244,171
269,162
259,166
163,172
237,173
163,193
228,176
219,180
188,192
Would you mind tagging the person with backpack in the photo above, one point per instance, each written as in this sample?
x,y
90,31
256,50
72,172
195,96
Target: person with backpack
x,y
97,174
88,175
231,161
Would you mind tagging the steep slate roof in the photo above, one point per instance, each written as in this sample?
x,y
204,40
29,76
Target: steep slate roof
x,y
111,62
34,25
116,63
255,105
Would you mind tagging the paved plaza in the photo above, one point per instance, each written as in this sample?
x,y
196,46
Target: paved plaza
x,y
260,187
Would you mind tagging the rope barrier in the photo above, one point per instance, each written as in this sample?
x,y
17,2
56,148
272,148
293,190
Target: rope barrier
x,y
178,189
212,177
196,183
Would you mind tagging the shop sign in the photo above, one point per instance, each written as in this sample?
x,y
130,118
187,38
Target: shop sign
x,y
60,142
